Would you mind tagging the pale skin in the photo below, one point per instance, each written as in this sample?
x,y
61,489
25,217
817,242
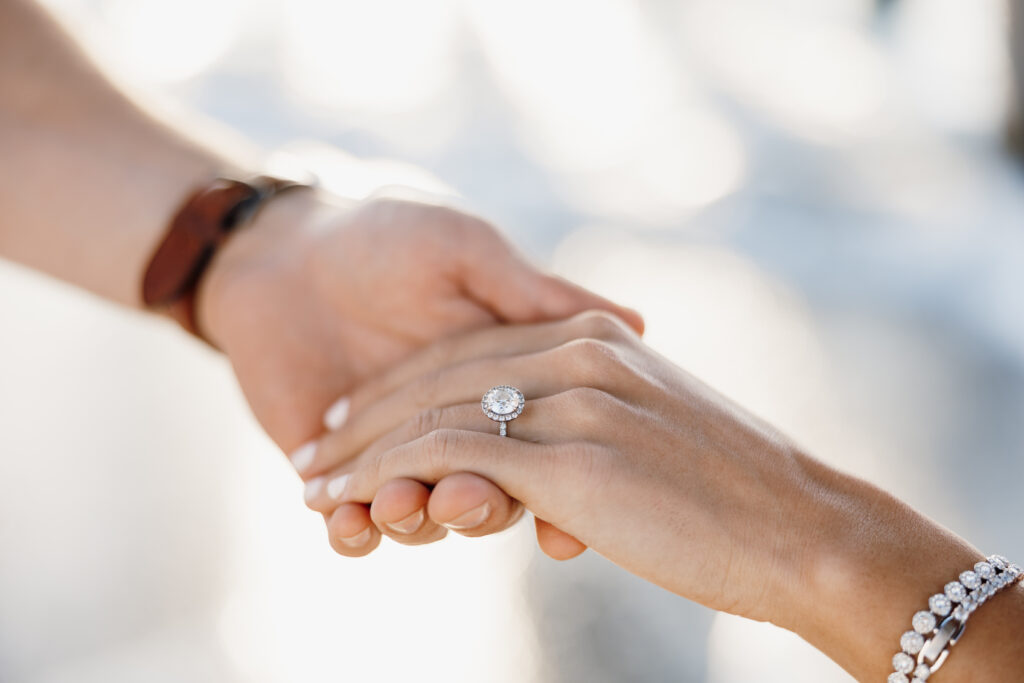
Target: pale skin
x,y
662,475
315,296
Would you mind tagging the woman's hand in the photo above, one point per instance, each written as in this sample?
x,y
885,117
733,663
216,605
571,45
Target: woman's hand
x,y
616,446
653,469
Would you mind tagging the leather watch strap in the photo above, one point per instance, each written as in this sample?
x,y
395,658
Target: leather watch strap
x,y
199,227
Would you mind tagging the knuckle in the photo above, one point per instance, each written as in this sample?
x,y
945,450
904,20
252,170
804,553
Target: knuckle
x,y
469,222
591,358
426,459
437,447
449,218
482,229
428,420
439,218
600,325
371,473
439,442
473,229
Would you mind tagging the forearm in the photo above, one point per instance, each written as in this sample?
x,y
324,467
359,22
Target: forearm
x,y
88,180
873,563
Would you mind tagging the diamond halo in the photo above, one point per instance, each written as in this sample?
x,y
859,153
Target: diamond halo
x,y
502,404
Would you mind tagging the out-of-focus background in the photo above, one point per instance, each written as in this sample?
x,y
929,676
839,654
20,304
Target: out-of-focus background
x,y
810,201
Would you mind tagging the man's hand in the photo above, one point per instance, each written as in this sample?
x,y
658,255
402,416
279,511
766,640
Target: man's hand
x,y
306,302
315,297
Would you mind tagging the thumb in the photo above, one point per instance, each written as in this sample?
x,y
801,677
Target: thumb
x,y
516,291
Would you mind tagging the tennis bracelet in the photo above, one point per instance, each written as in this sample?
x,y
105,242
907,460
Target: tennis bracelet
x,y
936,630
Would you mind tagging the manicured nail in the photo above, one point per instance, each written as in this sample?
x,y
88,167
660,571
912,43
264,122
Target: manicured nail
x,y
336,415
357,541
410,524
336,486
313,488
302,457
471,519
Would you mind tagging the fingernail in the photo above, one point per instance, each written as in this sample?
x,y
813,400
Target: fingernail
x,y
471,519
357,541
313,488
336,415
336,486
410,524
302,457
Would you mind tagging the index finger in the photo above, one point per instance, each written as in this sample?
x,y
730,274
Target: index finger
x,y
493,342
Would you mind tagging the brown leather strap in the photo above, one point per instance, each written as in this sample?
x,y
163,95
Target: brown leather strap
x,y
198,228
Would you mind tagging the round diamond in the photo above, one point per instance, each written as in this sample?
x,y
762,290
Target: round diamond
x,y
970,579
903,663
924,622
923,671
897,677
998,561
940,604
961,613
501,400
984,570
955,591
912,642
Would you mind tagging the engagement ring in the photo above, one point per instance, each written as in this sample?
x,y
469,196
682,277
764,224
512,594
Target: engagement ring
x,y
502,404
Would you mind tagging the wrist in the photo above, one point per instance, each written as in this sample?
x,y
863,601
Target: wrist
x,y
241,271
872,564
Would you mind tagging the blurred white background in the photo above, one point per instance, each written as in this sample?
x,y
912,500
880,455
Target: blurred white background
x,y
808,199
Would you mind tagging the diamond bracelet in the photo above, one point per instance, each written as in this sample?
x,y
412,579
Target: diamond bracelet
x,y
937,629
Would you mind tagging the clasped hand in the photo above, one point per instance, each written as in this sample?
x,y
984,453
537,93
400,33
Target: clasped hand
x,y
617,447
412,312
319,295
